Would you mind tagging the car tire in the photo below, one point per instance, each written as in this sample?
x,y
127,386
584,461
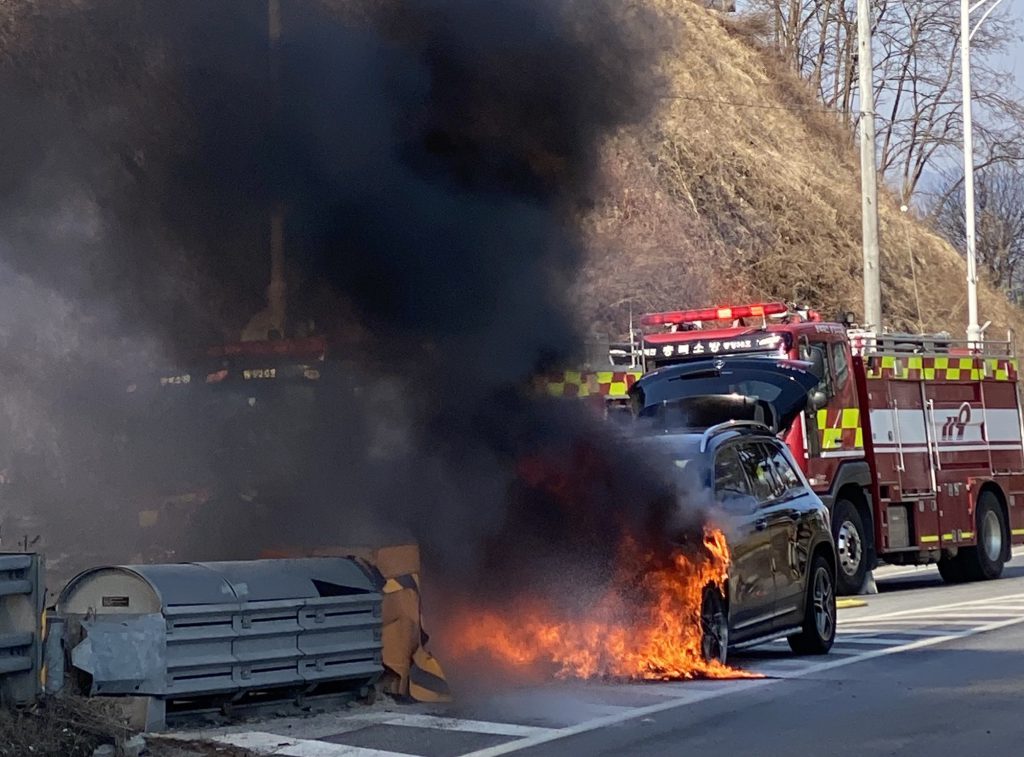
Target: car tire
x,y
819,627
714,625
952,569
985,561
851,547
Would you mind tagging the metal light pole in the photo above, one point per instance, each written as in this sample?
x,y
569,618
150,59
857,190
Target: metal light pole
x,y
966,33
276,292
868,171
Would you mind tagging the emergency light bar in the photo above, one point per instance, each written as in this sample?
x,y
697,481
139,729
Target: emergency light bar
x,y
714,314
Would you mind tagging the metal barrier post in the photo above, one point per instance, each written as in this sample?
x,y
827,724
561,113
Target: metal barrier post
x,y
21,609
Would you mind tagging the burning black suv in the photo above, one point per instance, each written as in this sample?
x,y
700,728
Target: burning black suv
x,y
716,425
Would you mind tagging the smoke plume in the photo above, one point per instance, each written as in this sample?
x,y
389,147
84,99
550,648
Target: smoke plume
x,y
426,159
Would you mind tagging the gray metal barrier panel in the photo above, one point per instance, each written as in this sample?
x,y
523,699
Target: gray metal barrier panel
x,y
203,629
21,609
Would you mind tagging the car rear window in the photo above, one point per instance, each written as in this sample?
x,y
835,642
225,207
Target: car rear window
x,y
755,464
730,481
788,483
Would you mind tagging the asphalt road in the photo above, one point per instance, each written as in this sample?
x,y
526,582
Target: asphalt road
x,y
920,669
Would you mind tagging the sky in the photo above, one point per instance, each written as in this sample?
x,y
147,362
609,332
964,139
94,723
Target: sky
x,y
1015,56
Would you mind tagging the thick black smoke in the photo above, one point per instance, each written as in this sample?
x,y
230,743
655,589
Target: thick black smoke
x,y
427,157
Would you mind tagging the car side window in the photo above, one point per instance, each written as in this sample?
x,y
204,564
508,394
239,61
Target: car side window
x,y
730,482
787,480
755,464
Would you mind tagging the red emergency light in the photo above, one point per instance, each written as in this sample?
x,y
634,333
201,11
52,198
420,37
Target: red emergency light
x,y
714,314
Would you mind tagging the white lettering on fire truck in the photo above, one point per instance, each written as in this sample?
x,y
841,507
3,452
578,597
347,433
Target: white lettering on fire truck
x,y
259,373
829,328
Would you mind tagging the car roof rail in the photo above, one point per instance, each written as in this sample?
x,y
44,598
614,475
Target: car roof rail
x,y
721,428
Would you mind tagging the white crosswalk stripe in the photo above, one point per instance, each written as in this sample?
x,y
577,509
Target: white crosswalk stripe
x,y
263,743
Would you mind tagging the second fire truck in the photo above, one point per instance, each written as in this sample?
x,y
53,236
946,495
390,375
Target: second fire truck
x,y
913,441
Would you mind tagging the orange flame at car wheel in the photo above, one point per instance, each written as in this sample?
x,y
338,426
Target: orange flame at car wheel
x,y
645,625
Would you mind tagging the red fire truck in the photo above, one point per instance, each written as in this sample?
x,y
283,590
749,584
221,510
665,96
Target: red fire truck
x,y
913,441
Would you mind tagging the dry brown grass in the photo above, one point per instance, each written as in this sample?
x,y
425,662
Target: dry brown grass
x,y
71,726
741,185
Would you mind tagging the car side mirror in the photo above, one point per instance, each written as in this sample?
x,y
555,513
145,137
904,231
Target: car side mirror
x,y
816,400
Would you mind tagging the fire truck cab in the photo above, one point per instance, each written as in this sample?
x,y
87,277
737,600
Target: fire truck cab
x,y
914,442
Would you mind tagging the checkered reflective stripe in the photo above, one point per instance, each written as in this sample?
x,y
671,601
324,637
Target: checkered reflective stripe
x,y
840,429
608,384
942,368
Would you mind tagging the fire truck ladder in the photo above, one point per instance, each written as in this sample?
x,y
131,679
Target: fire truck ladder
x,y
898,344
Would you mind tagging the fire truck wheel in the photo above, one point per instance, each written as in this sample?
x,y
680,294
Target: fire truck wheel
x,y
714,626
985,561
819,629
848,533
952,570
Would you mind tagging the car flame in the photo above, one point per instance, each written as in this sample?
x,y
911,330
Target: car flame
x,y
644,625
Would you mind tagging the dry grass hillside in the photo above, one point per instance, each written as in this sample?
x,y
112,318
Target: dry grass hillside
x,y
740,185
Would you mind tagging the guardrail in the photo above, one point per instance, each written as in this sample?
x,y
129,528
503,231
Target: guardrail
x,y
21,608
206,634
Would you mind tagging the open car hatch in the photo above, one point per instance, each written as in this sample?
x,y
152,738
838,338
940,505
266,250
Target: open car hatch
x,y
701,394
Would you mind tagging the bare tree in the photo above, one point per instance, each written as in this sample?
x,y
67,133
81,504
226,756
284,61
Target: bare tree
x,y
916,74
999,222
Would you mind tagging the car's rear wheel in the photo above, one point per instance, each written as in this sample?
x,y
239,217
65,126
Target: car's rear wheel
x,y
851,547
985,561
714,626
819,628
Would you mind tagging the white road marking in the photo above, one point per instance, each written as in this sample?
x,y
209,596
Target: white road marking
x,y
878,641
977,615
459,724
273,744
840,652
868,636
642,712
901,631
1006,608
894,622
686,691
308,748
928,610
773,667
893,571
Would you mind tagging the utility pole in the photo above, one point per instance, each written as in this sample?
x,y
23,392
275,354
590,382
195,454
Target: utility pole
x,y
276,291
966,32
271,321
973,328
868,171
